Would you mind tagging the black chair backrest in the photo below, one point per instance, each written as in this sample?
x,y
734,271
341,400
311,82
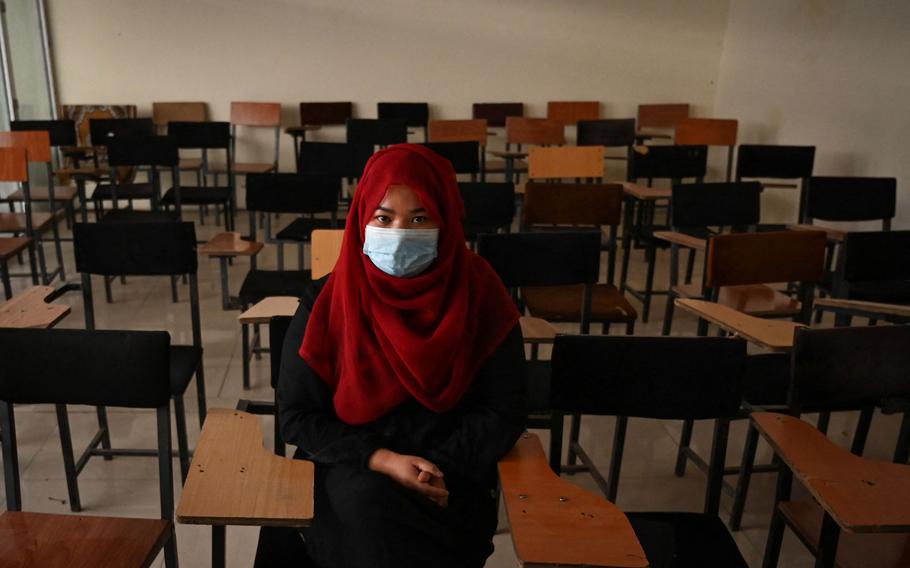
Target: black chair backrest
x,y
104,130
488,206
324,114
414,114
497,113
876,255
148,151
292,193
771,161
464,156
607,132
670,162
376,131
648,377
851,198
278,329
543,259
153,248
207,135
850,367
62,132
74,366
334,158
736,204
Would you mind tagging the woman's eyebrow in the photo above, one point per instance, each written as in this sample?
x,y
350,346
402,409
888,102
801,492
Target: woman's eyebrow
x,y
419,210
385,209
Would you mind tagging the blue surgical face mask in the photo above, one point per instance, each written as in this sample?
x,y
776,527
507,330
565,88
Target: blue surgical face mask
x,y
400,252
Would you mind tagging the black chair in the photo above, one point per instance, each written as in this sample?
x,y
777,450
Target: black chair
x,y
761,161
98,368
342,160
151,248
377,132
304,194
610,133
661,378
204,136
415,115
489,208
464,156
496,113
839,368
673,163
699,210
315,115
851,199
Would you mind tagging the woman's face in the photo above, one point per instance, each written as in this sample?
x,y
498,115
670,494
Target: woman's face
x,y
402,209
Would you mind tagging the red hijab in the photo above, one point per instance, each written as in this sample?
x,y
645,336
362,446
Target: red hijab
x,y
379,340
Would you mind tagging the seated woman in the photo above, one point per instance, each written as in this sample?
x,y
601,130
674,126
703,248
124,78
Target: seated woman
x,y
409,383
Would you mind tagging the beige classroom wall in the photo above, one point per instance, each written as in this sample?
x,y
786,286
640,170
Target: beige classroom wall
x,y
450,53
830,73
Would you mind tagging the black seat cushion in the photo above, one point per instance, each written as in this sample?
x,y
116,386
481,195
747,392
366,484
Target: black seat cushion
x,y
260,284
134,216
300,229
198,195
185,359
686,540
124,191
885,291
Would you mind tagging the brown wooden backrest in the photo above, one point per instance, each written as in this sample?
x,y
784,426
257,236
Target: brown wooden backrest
x,y
570,112
325,249
764,258
458,131
521,130
566,162
324,114
572,204
706,132
256,114
162,113
37,144
13,164
661,116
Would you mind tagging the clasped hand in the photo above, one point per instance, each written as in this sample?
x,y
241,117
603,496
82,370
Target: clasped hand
x,y
412,472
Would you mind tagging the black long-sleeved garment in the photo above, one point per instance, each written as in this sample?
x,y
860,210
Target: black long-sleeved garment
x,y
364,518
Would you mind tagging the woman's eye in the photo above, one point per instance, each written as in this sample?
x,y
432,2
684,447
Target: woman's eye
x,y
419,219
383,219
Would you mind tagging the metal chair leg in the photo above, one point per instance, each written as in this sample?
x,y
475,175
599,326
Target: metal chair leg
x,y
685,438
69,463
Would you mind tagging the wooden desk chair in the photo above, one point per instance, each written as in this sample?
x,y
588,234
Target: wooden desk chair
x,y
496,113
62,135
30,223
415,115
144,249
709,132
831,370
205,137
833,366
462,131
793,164
658,120
489,208
658,378
464,156
377,131
558,163
100,368
672,163
609,133
253,115
873,266
313,116
555,523
163,113
569,113
525,131
86,148
697,212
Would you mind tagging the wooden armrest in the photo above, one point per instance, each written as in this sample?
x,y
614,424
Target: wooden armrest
x,y
230,244
28,309
681,239
556,523
865,309
507,154
646,193
270,307
772,334
234,480
861,494
537,330
834,235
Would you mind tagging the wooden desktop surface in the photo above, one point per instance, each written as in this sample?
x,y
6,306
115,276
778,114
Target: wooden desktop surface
x,y
775,335
28,309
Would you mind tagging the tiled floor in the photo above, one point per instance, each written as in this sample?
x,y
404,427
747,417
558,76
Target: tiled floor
x,y
129,486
